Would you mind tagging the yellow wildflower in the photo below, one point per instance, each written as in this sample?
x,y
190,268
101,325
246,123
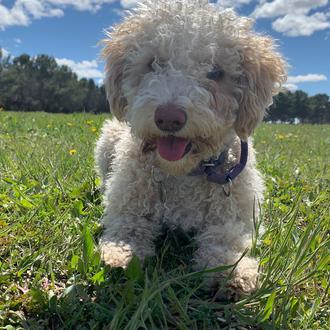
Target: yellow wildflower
x,y
3,223
72,151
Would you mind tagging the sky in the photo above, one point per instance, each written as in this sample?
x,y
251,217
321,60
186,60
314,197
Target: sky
x,y
70,31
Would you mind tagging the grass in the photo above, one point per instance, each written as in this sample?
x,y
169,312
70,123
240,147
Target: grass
x,y
51,275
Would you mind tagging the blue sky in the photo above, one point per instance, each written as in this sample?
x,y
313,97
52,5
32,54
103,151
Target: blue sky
x,y
69,30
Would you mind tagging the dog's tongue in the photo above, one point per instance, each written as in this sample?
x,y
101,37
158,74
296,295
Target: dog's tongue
x,y
171,148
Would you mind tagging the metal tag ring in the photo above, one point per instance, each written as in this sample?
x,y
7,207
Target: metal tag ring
x,y
227,192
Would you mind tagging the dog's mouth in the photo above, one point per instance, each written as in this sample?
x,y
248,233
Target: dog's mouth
x,y
173,148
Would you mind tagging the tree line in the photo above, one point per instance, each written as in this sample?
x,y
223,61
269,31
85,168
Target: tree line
x,y
40,84
297,106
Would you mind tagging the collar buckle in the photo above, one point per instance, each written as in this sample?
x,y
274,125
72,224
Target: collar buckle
x,y
208,164
209,168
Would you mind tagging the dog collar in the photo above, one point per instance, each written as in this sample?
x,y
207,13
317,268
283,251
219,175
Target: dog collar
x,y
210,167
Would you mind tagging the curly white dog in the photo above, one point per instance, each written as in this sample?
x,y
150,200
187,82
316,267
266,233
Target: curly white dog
x,y
188,83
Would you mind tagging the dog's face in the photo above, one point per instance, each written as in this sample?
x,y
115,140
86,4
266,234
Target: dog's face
x,y
188,78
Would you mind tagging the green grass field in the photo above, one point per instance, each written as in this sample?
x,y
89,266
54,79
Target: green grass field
x,y
51,275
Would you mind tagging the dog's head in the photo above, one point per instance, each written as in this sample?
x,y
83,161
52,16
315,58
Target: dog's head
x,y
188,77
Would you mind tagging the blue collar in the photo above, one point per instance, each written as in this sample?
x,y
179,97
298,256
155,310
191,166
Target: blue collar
x,y
211,166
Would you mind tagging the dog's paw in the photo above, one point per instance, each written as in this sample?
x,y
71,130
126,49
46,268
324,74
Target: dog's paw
x,y
241,286
245,277
116,254
242,282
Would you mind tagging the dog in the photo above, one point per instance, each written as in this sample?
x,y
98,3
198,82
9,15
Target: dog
x,y
187,83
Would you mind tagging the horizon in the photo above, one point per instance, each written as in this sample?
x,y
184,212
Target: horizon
x,y
70,30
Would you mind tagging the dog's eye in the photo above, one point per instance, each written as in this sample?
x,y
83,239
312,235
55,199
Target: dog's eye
x,y
216,73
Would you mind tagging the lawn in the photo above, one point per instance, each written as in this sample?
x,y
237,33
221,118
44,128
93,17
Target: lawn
x,y
51,275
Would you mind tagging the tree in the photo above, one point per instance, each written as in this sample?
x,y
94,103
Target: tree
x,y
288,106
281,109
299,106
318,109
40,84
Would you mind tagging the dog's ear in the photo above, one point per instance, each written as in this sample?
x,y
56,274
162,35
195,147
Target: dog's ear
x,y
114,54
264,71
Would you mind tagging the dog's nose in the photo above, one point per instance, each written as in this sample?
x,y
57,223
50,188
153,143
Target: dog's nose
x,y
170,117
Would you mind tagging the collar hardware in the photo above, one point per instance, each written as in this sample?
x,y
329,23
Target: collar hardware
x,y
210,168
227,192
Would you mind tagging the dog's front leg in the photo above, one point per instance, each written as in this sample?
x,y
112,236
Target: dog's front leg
x,y
214,251
125,236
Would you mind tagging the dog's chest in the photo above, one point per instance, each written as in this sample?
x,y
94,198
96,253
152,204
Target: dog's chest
x,y
183,201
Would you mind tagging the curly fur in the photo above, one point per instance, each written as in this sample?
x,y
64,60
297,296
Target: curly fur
x,y
161,53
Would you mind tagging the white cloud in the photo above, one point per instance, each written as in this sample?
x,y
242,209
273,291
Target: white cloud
x,y
294,25
293,16
232,3
24,11
83,5
14,16
4,52
292,81
283,7
18,41
129,3
83,69
38,9
100,82
311,77
290,87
